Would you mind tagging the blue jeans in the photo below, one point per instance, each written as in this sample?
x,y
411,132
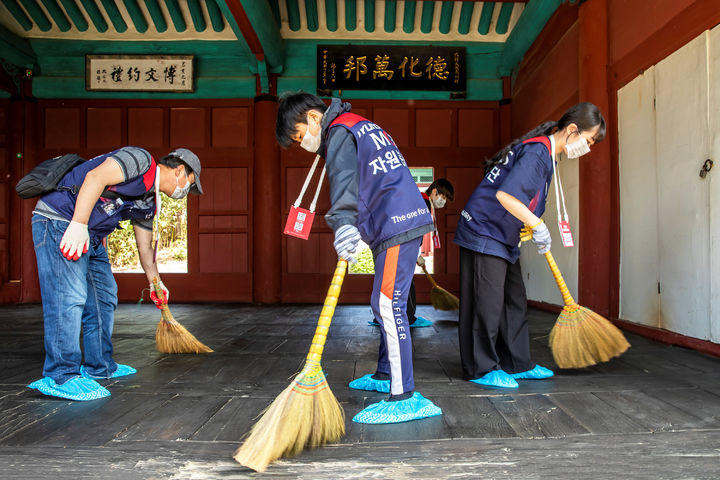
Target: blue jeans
x,y
76,296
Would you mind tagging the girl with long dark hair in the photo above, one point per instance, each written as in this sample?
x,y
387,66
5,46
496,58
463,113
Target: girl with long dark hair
x,y
493,330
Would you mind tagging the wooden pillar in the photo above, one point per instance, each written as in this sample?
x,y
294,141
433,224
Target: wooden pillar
x,y
596,178
267,221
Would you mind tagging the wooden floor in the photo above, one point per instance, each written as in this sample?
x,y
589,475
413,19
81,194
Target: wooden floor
x,y
653,413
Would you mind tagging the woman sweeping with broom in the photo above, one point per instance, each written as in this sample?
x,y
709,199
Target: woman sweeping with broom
x,y
493,330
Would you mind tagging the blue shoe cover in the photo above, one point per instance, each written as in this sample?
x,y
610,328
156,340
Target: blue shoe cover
x,y
121,371
413,408
497,378
366,382
421,322
537,373
76,388
373,323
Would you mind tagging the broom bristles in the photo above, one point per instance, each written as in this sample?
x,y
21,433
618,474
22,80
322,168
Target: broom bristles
x,y
441,299
305,414
171,337
581,338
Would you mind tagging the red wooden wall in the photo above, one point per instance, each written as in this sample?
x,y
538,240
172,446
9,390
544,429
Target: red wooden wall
x,y
452,137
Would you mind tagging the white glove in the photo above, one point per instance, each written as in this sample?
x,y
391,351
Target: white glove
x,y
75,241
421,260
346,241
541,237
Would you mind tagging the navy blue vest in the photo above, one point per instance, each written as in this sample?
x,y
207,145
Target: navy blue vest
x,y
107,213
389,201
483,214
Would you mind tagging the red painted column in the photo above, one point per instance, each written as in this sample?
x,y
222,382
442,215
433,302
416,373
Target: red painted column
x,y
596,253
267,221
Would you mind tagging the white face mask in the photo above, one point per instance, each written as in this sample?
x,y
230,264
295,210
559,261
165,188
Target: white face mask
x,y
310,142
439,202
577,149
181,192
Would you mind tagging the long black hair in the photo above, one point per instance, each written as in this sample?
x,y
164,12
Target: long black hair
x,y
585,115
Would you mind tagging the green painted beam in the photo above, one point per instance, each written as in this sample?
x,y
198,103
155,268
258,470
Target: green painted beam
x,y
311,15
426,20
350,15
390,15
486,18
136,15
18,13
36,13
465,17
115,16
95,16
73,11
216,16
16,50
529,25
293,10
176,15
331,17
197,15
275,6
504,18
156,15
446,12
261,18
57,15
369,16
409,16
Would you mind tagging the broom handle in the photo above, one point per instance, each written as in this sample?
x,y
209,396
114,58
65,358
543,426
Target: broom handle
x,y
429,277
160,294
331,299
567,298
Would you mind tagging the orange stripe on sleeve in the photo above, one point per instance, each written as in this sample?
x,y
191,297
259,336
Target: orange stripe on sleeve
x,y
388,280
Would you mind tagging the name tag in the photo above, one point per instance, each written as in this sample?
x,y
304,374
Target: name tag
x,y
566,234
299,222
436,240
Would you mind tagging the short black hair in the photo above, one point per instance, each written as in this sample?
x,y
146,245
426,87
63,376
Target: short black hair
x,y
172,161
293,108
443,187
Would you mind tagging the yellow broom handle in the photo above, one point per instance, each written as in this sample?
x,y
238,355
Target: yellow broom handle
x,y
331,299
429,277
567,298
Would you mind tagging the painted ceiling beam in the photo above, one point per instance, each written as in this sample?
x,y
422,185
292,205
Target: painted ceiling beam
x,y
531,22
73,11
176,15
369,16
503,21
136,15
390,15
330,14
16,50
197,15
115,16
350,15
95,16
57,15
486,18
157,15
36,13
254,22
426,18
465,17
18,13
216,16
409,17
311,15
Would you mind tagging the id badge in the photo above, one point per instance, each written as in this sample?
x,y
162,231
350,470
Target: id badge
x,y
299,222
566,234
436,240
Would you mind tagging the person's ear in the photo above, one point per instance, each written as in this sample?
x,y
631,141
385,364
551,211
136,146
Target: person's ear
x,y
572,128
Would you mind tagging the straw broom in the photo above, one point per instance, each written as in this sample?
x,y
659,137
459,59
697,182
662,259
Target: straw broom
x,y
440,298
170,336
581,337
306,413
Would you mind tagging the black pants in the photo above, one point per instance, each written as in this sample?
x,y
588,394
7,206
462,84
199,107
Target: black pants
x,y
493,329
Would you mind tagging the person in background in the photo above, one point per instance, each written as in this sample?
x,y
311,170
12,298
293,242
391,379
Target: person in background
x,y
79,293
436,196
374,198
493,329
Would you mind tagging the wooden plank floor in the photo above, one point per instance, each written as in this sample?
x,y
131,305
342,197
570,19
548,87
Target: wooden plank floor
x,y
653,413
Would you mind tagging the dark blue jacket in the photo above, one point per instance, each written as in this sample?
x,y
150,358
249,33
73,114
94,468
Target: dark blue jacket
x,y
136,200
370,184
525,173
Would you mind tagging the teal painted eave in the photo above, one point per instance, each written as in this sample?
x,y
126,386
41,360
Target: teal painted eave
x,y
16,50
531,22
262,20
